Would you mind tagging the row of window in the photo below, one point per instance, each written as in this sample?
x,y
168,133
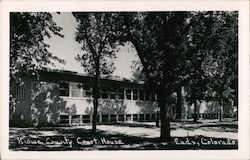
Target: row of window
x,y
19,92
75,119
71,89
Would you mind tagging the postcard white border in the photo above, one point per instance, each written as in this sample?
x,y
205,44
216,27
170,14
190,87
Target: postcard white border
x,y
127,5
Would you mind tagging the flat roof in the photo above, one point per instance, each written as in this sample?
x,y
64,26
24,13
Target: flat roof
x,y
64,75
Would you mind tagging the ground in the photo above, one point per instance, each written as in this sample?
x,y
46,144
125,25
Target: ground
x,y
206,134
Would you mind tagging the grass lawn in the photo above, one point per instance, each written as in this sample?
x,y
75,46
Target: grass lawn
x,y
209,134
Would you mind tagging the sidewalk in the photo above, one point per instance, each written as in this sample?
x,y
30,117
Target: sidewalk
x,y
208,128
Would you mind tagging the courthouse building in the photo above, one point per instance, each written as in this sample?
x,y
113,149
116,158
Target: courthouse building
x,y
64,98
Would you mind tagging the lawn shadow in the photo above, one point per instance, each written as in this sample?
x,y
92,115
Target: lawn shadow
x,y
71,138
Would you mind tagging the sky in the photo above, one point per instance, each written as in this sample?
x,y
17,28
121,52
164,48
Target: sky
x,y
67,48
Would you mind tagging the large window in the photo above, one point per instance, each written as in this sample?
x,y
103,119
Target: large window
x,y
128,94
86,91
19,92
154,97
147,96
135,94
112,93
141,95
121,93
64,89
75,90
105,93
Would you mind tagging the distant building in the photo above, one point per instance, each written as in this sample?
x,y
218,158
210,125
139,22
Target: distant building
x,y
64,98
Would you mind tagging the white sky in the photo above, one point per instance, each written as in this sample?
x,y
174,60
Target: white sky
x,y
67,48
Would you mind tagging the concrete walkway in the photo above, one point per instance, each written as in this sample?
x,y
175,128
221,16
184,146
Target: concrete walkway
x,y
209,128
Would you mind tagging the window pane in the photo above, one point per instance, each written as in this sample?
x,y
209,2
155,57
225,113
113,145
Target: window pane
x,y
64,93
86,93
75,89
105,118
153,117
64,85
135,117
75,119
154,97
105,93
121,94
147,117
86,118
141,95
147,96
112,93
141,117
128,117
121,118
64,118
135,94
64,89
75,85
112,118
76,93
128,94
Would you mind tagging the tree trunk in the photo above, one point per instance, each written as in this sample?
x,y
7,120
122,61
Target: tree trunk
x,y
96,96
157,121
195,111
165,121
179,102
220,109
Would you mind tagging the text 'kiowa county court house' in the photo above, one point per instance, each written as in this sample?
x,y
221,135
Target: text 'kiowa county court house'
x,y
64,98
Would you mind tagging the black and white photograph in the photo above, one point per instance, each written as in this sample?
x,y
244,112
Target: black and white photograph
x,y
123,80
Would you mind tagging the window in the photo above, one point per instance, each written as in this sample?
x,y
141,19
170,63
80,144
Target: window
x,y
86,91
75,90
105,93
141,117
86,118
64,89
105,118
128,94
121,118
75,119
154,97
128,117
135,117
135,94
112,118
141,95
64,118
153,117
121,93
147,96
147,117
19,92
112,93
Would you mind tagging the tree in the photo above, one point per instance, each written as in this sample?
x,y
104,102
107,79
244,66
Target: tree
x,y
158,39
221,64
98,34
28,50
195,79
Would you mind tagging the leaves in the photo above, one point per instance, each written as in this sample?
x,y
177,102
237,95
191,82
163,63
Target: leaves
x,y
28,51
97,32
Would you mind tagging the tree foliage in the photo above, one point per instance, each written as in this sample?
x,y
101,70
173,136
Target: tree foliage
x,y
221,64
158,38
28,50
98,33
